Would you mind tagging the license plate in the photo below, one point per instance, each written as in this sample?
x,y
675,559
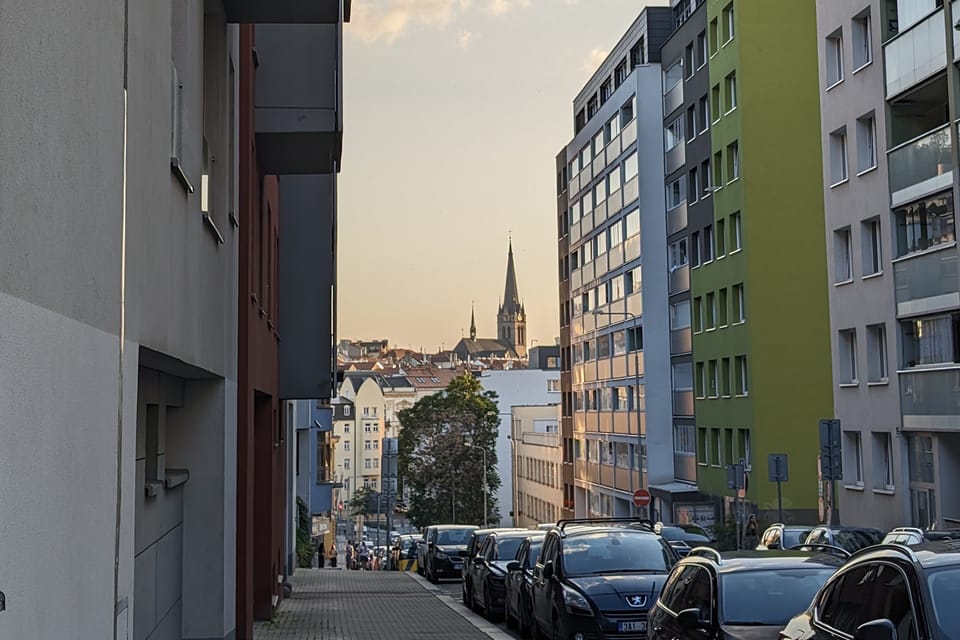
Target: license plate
x,y
632,626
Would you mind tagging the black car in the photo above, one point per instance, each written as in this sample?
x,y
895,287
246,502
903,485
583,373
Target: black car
x,y
519,583
684,537
887,592
441,557
851,539
598,579
914,535
740,595
487,573
477,537
784,536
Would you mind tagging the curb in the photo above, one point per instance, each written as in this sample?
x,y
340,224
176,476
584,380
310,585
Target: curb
x,y
482,624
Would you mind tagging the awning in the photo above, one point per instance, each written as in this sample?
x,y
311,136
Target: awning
x,y
673,488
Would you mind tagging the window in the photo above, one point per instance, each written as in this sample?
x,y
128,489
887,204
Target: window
x,y
739,304
599,193
711,310
612,128
853,454
883,461
848,356
866,143
744,446
741,384
697,314
705,177
721,237
633,281
703,114
684,439
346,463
632,223
730,85
925,224
722,306
616,288
715,106
702,446
718,169
366,463
619,343
733,161
702,53
672,76
713,375
592,105
626,112
708,252
862,45
700,383
346,412
842,252
678,254
682,376
688,61
930,341
736,233
714,37
693,186
690,124
673,135
630,167
605,90
717,449
870,242
620,74
834,58
635,338
695,249
676,193
680,315
728,24
725,382
613,180
637,56
346,445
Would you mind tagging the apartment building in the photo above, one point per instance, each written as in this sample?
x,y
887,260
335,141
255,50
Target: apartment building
x,y
536,464
617,422
359,428
761,353
860,257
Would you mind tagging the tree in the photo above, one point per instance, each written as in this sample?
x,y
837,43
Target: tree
x,y
363,502
442,445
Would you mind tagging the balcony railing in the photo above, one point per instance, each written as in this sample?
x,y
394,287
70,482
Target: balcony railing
x,y
930,398
917,53
677,219
928,282
921,166
673,99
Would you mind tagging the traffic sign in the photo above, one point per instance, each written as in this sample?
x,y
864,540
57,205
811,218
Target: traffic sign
x,y
777,467
641,498
831,454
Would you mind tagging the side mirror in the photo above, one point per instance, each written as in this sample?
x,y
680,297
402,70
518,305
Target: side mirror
x,y
513,566
876,630
690,619
548,571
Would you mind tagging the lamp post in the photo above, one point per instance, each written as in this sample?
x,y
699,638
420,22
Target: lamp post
x,y
636,376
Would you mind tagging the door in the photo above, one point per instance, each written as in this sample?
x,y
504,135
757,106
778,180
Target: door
x,y
542,588
690,587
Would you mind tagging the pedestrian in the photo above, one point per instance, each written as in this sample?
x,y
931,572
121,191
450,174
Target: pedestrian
x,y
351,556
751,533
363,555
333,555
321,556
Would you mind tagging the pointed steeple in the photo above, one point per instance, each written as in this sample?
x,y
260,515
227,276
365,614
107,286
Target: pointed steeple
x,y
511,298
473,324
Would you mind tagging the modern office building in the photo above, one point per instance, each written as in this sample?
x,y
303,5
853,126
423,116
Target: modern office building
x,y
860,251
758,277
536,464
617,424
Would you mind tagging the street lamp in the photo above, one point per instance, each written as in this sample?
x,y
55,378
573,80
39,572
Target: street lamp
x,y
484,451
636,376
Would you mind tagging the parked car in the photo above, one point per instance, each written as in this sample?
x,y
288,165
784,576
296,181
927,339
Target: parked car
x,y
487,571
598,578
784,536
519,600
851,539
684,537
748,594
442,558
887,592
477,537
913,535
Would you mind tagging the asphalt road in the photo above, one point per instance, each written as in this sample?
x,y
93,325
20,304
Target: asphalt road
x,y
454,589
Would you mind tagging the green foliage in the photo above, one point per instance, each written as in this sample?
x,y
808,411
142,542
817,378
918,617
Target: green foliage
x,y
726,534
442,445
305,548
359,504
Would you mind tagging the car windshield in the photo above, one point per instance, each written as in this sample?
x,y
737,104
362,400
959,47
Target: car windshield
x,y
857,539
769,597
688,533
453,536
614,552
507,549
794,537
945,592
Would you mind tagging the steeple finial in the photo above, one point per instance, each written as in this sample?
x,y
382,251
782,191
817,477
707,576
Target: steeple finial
x,y
473,323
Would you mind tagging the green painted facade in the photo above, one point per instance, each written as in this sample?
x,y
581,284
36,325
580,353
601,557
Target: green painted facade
x,y
782,264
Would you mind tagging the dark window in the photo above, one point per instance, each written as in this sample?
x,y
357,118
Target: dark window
x,y
769,597
594,553
925,224
841,606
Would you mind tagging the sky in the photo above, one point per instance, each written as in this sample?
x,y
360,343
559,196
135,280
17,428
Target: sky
x,y
454,112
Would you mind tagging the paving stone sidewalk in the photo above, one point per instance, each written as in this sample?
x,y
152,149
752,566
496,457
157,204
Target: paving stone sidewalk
x,y
335,604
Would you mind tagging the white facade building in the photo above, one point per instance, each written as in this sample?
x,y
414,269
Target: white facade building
x,y
537,463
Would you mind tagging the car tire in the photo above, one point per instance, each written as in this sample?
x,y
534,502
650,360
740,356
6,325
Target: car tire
x,y
432,577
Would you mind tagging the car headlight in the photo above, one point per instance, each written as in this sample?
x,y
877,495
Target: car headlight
x,y
576,602
441,555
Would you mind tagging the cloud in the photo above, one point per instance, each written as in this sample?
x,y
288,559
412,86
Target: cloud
x,y
594,59
463,39
388,20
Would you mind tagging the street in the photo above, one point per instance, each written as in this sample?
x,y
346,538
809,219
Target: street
x,y
453,589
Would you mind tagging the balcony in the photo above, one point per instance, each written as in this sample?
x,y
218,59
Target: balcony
x,y
679,279
683,403
927,282
917,53
930,398
681,341
287,11
541,439
677,219
920,166
298,104
673,99
675,158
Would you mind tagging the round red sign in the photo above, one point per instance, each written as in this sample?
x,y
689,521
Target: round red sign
x,y
641,498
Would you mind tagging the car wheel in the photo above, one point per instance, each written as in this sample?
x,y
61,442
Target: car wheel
x,y
420,571
431,576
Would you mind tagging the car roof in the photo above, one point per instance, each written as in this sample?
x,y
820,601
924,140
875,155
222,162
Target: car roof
x,y
448,527
584,529
517,533
929,555
734,561
838,528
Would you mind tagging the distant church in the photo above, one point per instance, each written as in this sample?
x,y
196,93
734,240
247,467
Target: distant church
x,y
511,340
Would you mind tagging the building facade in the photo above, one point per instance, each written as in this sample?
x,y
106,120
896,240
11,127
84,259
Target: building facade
x,y
617,422
760,322
536,456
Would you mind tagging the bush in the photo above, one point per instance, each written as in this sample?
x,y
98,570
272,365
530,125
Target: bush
x,y
305,549
726,535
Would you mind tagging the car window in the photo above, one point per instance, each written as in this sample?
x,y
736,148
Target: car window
x,y
532,552
674,591
945,594
614,551
842,606
794,537
817,536
891,601
453,536
697,593
769,597
855,540
549,553
507,549
484,550
771,537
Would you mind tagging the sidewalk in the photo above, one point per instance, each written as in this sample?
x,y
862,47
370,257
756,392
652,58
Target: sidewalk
x,y
335,604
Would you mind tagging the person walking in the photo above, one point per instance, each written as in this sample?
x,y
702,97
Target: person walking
x,y
351,556
333,555
321,556
363,555
751,533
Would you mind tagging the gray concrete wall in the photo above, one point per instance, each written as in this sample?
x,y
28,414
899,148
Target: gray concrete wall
x,y
864,300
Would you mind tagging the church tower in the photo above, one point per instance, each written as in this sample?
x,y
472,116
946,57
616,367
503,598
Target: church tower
x,y
473,325
512,318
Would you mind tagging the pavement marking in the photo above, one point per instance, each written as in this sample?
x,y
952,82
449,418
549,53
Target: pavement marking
x,y
481,623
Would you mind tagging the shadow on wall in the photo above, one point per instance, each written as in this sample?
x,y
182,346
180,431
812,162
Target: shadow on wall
x,y
3,602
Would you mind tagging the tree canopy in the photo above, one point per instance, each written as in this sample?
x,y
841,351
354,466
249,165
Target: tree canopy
x,y
441,459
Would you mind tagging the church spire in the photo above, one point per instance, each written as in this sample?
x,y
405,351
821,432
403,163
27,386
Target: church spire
x,y
511,298
473,324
